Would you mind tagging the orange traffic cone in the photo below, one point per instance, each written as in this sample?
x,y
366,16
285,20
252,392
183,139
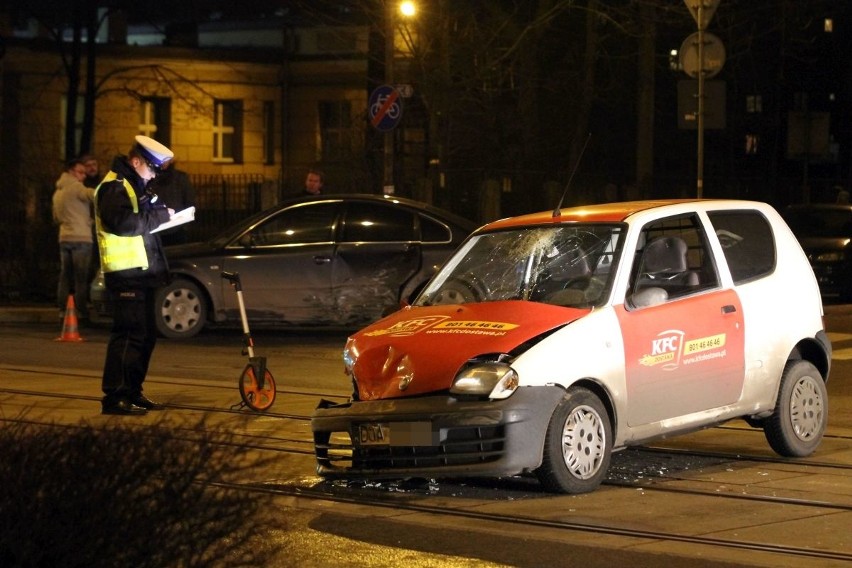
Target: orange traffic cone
x,y
70,327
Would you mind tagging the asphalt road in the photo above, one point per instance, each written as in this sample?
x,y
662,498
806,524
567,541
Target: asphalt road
x,y
352,535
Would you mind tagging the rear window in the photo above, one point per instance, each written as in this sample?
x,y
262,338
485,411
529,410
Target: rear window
x,y
747,241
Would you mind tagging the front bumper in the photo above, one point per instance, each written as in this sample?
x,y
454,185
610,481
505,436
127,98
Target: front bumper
x,y
463,438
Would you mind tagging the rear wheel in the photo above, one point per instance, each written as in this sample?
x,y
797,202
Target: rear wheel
x,y
578,444
796,427
180,310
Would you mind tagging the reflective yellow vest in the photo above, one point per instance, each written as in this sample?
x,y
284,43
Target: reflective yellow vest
x,y
117,252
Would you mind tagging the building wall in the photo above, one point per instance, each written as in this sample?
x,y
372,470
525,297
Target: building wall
x,y
33,85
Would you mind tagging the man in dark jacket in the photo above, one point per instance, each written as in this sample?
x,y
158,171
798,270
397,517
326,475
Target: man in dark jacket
x,y
134,266
175,189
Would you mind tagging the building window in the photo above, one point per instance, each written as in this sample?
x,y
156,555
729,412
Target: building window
x,y
335,129
752,144
754,104
227,131
155,119
78,122
268,132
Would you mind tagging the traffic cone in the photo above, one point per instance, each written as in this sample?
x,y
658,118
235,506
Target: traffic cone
x,y
70,327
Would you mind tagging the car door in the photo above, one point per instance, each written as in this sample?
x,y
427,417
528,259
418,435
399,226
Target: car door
x,y
378,250
685,354
285,264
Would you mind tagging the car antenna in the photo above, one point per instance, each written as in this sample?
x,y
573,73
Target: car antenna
x,y
558,211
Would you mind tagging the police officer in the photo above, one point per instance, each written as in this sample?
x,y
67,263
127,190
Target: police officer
x,y
134,266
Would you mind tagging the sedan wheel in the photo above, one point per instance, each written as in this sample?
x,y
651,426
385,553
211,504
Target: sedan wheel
x,y
180,310
578,444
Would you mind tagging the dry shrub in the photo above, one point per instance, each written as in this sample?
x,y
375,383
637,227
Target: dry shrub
x,y
126,496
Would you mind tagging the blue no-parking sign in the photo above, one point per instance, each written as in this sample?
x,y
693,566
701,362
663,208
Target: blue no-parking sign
x,y
384,108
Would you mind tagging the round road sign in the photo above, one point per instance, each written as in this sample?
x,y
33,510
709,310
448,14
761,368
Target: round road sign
x,y
384,108
714,55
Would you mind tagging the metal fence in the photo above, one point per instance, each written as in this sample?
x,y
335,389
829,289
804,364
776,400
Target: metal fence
x,y
225,199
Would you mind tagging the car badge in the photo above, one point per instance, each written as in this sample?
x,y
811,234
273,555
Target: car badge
x,y
405,381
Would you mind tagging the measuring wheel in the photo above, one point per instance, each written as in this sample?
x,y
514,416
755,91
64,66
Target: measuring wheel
x,y
255,395
257,387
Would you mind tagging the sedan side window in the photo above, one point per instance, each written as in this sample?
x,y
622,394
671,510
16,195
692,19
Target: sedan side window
x,y
306,224
434,231
369,223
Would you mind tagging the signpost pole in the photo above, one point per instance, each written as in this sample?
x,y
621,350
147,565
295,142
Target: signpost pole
x,y
388,185
702,11
700,177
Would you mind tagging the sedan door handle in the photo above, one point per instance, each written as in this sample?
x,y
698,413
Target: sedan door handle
x,y
729,309
322,259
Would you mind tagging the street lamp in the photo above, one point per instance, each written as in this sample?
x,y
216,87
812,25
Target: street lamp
x,y
406,9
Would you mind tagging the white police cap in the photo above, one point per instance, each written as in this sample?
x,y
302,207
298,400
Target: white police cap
x,y
152,151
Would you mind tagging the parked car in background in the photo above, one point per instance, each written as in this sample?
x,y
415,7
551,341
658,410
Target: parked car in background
x,y
825,233
550,340
320,261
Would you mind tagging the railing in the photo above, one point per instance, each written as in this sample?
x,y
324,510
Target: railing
x,y
224,199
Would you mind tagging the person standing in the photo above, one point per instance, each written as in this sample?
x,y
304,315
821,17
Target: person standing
x,y
93,170
134,266
175,189
72,211
314,182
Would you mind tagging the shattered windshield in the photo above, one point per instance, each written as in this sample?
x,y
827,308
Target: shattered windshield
x,y
565,265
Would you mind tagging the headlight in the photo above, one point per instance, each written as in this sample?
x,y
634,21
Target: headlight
x,y
496,380
350,355
829,257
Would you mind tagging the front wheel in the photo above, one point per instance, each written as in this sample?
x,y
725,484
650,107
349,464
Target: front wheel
x,y
577,445
180,310
796,427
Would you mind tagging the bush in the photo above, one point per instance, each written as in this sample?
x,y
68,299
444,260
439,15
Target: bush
x,y
126,496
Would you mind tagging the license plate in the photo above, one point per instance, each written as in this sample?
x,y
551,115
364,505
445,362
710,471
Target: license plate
x,y
395,434
373,435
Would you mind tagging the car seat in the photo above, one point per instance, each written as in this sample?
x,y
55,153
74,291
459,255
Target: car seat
x,y
559,273
664,265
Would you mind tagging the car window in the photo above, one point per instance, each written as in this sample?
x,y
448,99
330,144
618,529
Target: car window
x,y
308,223
672,260
747,241
432,231
372,222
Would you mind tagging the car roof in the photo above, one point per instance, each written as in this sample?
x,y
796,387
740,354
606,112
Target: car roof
x,y
600,213
380,198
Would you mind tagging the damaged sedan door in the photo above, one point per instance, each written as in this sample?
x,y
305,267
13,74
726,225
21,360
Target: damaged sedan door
x,y
377,252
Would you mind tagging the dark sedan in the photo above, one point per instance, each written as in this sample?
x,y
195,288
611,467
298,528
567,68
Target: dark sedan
x,y
825,230
327,261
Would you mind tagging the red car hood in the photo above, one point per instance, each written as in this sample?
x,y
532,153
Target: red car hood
x,y
420,349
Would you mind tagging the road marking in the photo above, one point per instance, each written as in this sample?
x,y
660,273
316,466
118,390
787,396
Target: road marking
x,y
842,354
834,337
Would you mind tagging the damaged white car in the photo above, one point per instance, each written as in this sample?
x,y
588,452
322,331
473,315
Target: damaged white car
x,y
551,340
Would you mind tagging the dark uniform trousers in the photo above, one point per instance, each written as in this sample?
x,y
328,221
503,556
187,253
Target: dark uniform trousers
x,y
131,343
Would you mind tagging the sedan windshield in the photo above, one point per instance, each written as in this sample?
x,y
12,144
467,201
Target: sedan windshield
x,y
566,265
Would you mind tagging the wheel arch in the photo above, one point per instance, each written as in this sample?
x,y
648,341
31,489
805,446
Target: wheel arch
x,y
599,390
817,351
